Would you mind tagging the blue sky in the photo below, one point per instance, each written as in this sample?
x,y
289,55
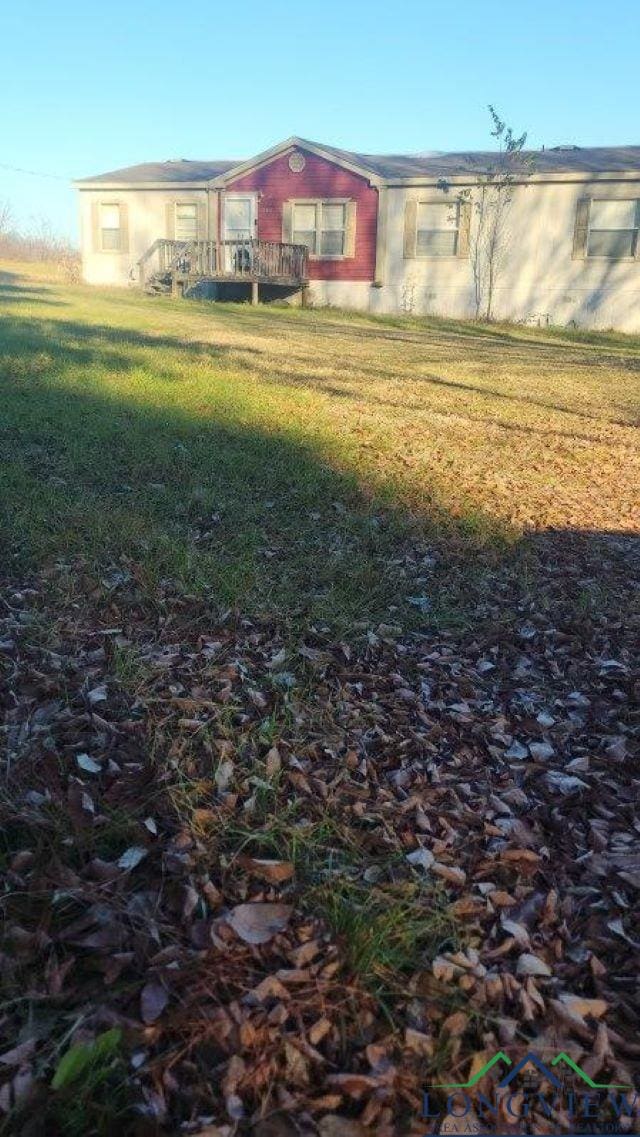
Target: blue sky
x,y
91,86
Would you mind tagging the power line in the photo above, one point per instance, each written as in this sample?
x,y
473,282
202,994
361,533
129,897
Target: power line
x,y
34,173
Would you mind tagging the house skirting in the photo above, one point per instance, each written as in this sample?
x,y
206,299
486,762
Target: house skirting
x,y
600,308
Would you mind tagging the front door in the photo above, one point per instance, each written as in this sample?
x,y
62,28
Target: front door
x,y
240,223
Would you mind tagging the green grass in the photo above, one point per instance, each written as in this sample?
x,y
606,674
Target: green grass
x,y
387,933
287,461
387,927
328,473
90,1088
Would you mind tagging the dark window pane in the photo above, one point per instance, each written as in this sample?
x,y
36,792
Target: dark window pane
x,y
613,214
186,222
332,216
612,242
304,217
237,213
111,239
437,242
437,215
332,243
305,237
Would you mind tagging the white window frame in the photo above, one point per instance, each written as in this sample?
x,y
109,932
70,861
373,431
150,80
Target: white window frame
x,y
633,256
318,203
453,205
109,229
192,205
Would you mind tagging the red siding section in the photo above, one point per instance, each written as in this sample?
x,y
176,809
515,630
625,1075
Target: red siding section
x,y
276,183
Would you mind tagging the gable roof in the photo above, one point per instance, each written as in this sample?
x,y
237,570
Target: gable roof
x,y
435,164
386,167
342,157
176,170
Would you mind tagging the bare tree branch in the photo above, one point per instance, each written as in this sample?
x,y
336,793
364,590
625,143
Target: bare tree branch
x,y
490,201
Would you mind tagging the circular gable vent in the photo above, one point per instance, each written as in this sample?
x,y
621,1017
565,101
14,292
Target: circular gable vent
x,y
297,162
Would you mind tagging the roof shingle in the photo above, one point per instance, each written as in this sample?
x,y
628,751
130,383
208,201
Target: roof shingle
x,y
591,160
558,160
178,170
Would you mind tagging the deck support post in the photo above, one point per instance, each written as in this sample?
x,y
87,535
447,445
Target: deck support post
x,y
174,284
254,292
304,296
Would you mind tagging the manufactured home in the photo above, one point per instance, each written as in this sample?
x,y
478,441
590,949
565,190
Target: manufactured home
x,y
545,237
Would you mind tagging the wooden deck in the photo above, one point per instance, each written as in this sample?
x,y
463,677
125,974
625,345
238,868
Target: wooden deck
x,y
251,261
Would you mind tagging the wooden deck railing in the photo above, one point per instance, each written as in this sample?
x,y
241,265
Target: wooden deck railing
x,y
268,262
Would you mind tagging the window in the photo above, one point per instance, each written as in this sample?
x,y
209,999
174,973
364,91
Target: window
x,y
186,227
239,218
437,227
321,226
613,228
305,226
110,228
333,223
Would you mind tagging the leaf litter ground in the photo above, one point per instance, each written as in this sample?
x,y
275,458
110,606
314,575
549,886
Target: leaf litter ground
x,y
256,886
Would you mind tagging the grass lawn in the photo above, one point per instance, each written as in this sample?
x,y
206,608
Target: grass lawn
x,y
252,454
326,613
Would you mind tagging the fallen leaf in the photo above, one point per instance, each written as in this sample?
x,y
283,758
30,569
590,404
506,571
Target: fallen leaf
x,y
579,1005
529,964
132,857
450,873
422,858
258,923
153,1000
273,762
89,764
456,1024
332,1125
18,1054
275,872
565,783
419,1043
223,775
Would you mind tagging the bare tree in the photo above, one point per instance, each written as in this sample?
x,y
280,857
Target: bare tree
x,y
6,217
491,199
39,243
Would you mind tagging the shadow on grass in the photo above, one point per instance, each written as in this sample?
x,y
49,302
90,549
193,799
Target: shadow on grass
x,y
487,420
14,293
33,345
247,514
551,339
96,338
296,364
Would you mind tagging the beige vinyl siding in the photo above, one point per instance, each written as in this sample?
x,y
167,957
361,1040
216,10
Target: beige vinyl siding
x,y
170,220
464,229
410,228
581,229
